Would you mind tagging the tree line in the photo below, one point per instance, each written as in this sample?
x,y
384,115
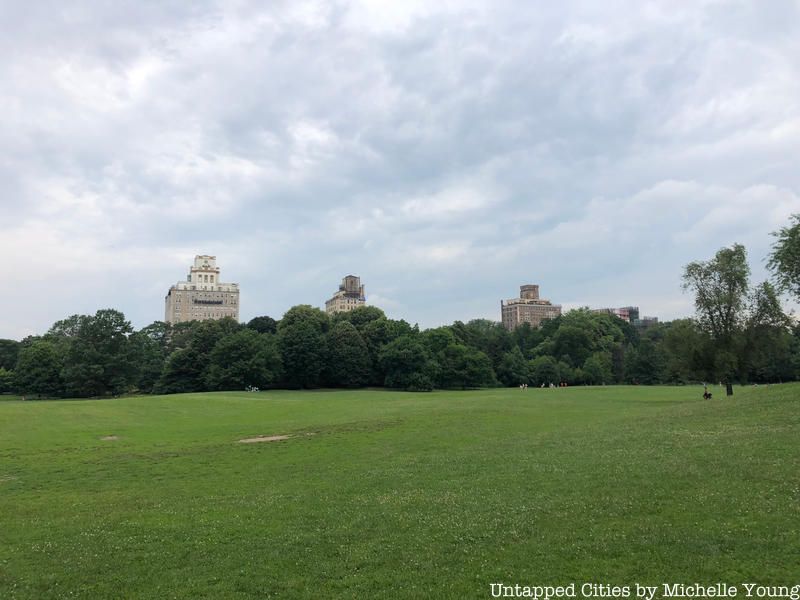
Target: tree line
x,y
740,334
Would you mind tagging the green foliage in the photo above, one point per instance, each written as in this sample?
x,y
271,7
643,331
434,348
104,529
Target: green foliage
x,y
302,342
149,348
243,359
527,338
183,372
361,316
403,359
6,380
572,344
38,370
348,361
98,358
419,382
544,370
489,337
376,335
9,350
513,368
688,352
305,314
436,340
645,364
463,367
720,288
263,324
204,335
597,369
784,260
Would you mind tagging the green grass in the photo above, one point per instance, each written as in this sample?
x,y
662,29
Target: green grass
x,y
397,495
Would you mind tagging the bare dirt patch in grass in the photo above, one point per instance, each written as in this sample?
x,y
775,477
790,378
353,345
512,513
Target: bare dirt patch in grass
x,y
109,438
264,438
271,438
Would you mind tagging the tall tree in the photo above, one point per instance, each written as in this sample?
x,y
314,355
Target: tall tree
x,y
513,369
360,316
544,370
784,260
242,359
376,334
263,324
464,367
348,363
766,352
406,362
183,372
301,336
720,288
38,369
9,349
149,353
6,380
98,360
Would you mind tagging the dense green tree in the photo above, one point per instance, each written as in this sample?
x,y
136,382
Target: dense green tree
x,y
98,357
188,350
68,328
720,288
437,339
361,316
406,361
38,369
263,324
180,335
567,374
784,260
597,369
766,350
646,363
463,367
572,344
183,372
348,361
527,338
544,370
206,334
376,334
243,359
513,368
688,352
149,348
6,380
9,350
489,337
305,313
302,342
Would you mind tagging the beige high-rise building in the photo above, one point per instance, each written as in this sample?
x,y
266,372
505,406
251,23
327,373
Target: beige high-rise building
x,y
202,296
528,308
349,296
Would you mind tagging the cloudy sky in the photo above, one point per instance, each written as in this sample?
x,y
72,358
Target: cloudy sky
x,y
446,152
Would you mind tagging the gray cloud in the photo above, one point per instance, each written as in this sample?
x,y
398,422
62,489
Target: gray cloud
x,y
445,153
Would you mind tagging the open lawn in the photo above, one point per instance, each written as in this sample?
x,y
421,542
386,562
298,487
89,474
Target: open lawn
x,y
397,495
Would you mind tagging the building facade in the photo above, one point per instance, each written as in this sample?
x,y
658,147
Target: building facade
x,y
349,296
528,308
202,296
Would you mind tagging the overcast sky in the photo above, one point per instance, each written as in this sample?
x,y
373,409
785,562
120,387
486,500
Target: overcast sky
x,y
446,152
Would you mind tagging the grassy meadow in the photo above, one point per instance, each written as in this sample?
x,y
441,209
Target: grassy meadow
x,y
382,494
